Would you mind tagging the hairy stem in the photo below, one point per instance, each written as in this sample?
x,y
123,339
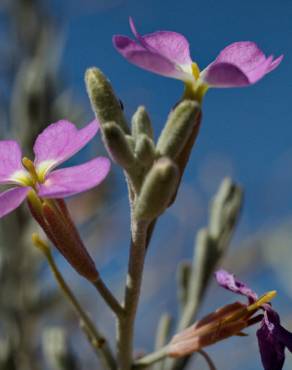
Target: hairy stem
x,y
125,325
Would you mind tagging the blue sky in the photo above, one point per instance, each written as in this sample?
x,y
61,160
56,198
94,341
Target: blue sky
x,y
248,128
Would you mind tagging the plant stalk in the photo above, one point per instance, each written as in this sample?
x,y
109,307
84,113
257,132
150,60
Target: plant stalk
x,y
108,297
151,359
125,324
95,338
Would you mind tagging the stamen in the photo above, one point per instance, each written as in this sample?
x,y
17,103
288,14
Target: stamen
x,y
263,299
28,164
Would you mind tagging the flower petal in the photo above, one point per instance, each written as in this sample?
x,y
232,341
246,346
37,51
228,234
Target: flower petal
x,y
143,58
239,64
229,282
271,349
224,75
244,54
284,336
60,141
11,199
164,52
171,45
273,324
275,63
10,162
73,180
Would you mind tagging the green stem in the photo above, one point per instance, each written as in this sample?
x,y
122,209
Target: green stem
x,y
108,297
151,358
99,284
96,339
125,324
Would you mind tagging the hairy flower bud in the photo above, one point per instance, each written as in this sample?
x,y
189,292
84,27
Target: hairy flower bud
x,y
158,188
178,129
118,145
141,123
103,100
145,150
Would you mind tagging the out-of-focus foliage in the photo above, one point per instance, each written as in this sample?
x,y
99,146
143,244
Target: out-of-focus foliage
x,y
33,94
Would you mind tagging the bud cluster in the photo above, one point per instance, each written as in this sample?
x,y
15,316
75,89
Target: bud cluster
x,y
153,169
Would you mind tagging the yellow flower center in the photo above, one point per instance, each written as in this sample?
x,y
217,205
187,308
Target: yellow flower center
x,y
195,89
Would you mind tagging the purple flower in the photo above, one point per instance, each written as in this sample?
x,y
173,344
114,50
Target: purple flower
x,y
167,53
272,337
53,146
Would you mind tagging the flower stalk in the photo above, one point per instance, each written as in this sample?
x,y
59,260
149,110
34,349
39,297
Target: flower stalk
x,y
151,359
125,323
96,339
108,297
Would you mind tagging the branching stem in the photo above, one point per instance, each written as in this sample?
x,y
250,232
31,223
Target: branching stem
x,y
108,297
95,338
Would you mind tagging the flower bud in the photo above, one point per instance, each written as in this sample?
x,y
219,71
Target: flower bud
x,y
178,129
118,145
141,124
103,100
157,189
226,207
145,150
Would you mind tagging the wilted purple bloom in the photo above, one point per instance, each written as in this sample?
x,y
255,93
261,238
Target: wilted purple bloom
x,y
230,282
225,322
272,337
167,53
53,146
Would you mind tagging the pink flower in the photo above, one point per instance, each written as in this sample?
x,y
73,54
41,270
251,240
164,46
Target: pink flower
x,y
46,187
167,53
53,146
